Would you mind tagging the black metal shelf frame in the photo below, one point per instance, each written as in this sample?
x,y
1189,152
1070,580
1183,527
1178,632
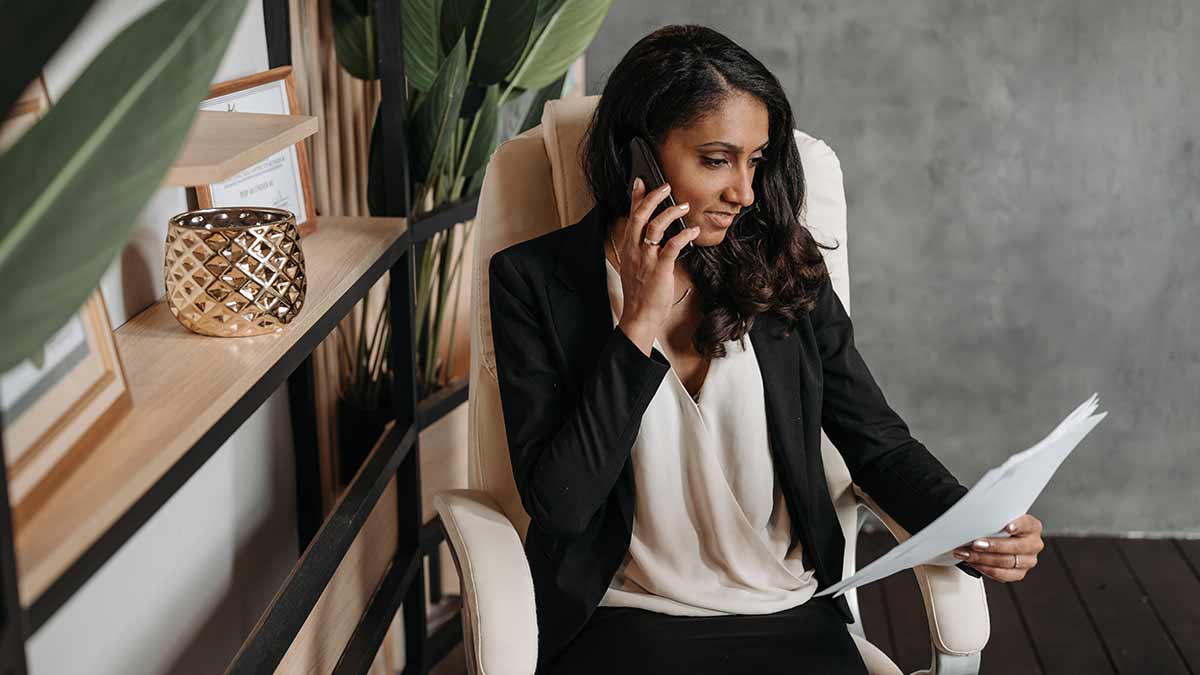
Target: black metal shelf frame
x,y
442,218
282,621
149,503
324,541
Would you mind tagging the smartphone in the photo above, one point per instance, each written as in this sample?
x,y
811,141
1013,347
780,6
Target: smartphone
x,y
642,164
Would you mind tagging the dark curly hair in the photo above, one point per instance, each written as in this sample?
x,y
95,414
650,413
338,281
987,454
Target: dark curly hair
x,y
768,261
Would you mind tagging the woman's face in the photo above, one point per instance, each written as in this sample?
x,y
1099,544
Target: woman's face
x,y
711,164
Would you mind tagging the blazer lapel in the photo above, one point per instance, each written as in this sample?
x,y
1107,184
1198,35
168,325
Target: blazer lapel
x,y
784,394
582,316
578,296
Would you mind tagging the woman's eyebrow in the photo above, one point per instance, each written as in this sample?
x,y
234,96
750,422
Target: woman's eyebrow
x,y
730,146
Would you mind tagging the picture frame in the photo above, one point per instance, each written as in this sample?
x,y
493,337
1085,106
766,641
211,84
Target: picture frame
x,y
29,108
58,403
283,180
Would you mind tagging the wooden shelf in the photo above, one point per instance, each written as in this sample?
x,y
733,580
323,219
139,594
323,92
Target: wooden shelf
x,y
220,144
183,387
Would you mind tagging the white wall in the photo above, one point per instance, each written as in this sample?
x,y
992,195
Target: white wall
x,y
184,592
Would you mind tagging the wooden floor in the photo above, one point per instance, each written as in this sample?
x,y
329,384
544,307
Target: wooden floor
x,y
1090,607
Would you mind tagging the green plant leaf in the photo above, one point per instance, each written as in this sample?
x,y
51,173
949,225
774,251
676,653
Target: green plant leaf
x,y
485,132
422,43
533,116
457,19
376,189
354,38
472,98
545,10
476,183
567,33
30,33
505,36
72,187
433,122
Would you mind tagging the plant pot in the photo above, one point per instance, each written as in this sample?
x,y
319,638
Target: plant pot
x,y
234,271
359,428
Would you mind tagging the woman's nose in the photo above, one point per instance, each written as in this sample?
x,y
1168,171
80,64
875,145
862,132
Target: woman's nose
x,y
742,190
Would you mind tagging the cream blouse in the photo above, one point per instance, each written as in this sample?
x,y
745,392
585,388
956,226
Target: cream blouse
x,y
710,528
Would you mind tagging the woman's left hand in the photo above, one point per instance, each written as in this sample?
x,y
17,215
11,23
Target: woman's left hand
x,y
995,556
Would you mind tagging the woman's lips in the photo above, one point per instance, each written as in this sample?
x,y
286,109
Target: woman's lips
x,y
720,219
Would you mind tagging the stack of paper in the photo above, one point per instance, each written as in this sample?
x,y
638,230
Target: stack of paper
x,y
1001,496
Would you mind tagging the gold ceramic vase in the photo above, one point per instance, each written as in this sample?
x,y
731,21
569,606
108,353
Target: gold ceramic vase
x,y
234,271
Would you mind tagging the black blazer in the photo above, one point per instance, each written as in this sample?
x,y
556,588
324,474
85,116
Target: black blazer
x,y
573,389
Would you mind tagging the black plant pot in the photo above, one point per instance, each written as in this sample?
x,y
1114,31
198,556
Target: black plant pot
x,y
359,428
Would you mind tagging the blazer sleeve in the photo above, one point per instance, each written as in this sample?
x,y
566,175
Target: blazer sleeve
x,y
897,470
566,454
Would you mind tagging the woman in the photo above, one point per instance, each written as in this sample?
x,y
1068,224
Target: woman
x,y
671,467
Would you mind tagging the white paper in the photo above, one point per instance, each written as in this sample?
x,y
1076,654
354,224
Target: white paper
x,y
1002,495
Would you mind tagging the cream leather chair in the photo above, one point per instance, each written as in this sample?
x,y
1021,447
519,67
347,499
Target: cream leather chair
x,y
486,524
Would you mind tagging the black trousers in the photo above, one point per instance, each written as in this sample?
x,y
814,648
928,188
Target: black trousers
x,y
809,638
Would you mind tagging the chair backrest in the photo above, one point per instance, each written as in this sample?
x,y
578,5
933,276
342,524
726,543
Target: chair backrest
x,y
515,205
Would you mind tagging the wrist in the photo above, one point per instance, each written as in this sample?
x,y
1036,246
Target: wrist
x,y
639,334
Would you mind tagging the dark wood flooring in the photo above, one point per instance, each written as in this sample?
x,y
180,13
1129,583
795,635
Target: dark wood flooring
x,y
1092,606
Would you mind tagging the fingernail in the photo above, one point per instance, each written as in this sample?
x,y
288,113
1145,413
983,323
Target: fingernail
x,y
684,206
665,188
1012,527
979,543
962,554
638,184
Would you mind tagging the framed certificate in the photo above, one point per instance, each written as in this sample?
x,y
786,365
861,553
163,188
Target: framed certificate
x,y
58,402
283,180
56,408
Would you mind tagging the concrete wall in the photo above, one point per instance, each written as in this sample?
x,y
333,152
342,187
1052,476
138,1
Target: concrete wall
x,y
185,591
1024,222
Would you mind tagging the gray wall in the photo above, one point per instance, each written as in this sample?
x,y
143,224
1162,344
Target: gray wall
x,y
1024,222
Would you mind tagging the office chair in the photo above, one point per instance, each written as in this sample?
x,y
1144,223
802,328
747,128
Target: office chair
x,y
533,184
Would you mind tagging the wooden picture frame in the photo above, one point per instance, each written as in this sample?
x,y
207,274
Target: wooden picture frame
x,y
279,180
29,108
54,409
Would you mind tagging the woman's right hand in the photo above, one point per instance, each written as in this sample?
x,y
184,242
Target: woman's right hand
x,y
648,272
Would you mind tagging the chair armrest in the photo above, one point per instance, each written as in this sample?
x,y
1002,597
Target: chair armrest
x,y
955,602
498,612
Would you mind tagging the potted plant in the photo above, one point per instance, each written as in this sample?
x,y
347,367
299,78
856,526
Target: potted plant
x,y
470,65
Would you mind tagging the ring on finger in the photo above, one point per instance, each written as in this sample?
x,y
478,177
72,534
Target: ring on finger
x,y
648,242
996,560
